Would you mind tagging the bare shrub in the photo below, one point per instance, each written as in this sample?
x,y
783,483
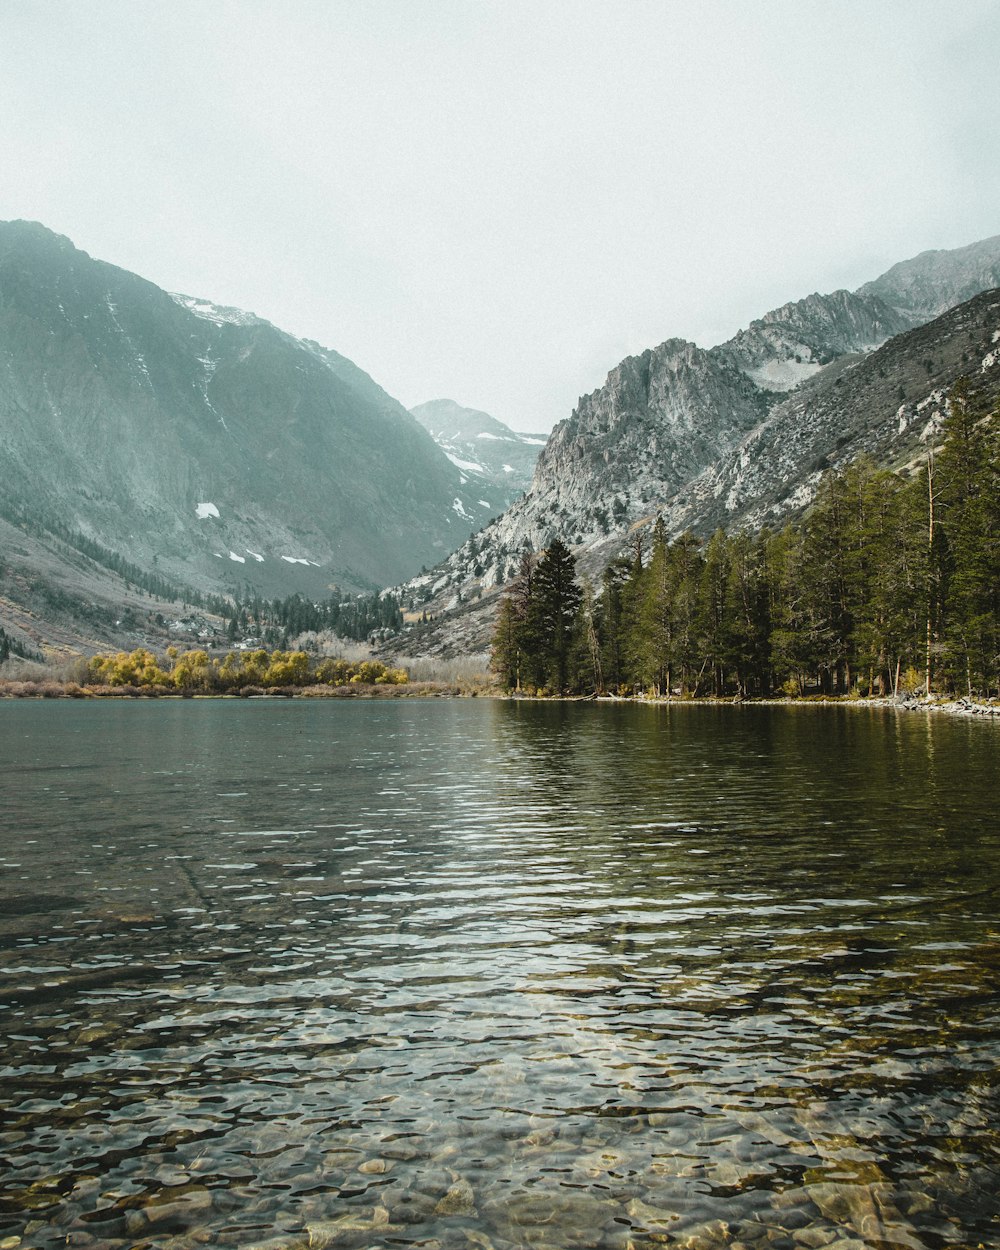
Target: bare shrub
x,y
461,670
17,669
325,643
73,668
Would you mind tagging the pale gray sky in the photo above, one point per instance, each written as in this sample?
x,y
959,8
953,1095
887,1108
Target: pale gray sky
x,y
496,200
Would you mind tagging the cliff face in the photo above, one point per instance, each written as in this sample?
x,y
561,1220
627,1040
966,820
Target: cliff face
x,y
738,434
888,405
205,442
792,343
659,419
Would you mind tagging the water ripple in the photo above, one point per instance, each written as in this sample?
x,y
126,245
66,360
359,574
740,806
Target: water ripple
x,y
493,975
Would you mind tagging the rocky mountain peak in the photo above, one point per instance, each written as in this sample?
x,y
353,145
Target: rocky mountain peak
x,y
925,286
739,432
789,344
483,447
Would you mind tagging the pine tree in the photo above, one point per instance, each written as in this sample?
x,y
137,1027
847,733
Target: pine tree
x,y
967,574
713,610
652,620
750,618
516,636
609,624
555,602
588,668
505,658
684,572
883,576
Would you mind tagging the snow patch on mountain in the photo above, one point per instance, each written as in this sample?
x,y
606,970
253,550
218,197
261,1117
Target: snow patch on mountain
x,y
783,375
499,460
468,466
217,313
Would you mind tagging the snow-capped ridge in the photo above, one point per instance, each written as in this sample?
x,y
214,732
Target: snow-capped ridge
x,y
220,314
480,445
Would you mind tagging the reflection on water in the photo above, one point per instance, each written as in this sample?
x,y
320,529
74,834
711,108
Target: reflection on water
x,y
473,974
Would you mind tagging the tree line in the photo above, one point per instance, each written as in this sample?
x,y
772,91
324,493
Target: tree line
x,y
10,646
890,583
356,617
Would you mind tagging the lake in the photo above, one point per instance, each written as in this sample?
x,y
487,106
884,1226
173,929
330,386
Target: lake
x,y
486,974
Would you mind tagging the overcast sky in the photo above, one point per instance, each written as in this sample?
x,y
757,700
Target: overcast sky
x,y
497,201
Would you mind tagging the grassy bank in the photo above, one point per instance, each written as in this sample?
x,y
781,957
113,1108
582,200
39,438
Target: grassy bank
x,y
52,689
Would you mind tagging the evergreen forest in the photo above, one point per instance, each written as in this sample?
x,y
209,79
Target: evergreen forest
x,y
356,617
889,584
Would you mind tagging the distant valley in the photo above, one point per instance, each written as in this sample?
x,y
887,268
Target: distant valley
x,y
162,454
481,446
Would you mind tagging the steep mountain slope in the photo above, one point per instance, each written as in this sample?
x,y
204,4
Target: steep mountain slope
x,y
58,601
204,442
792,343
737,434
888,405
657,421
481,446
928,284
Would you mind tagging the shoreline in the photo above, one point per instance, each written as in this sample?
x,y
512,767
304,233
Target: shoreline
x,y
965,707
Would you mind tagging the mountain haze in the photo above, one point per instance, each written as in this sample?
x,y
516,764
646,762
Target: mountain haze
x,y
205,442
482,446
164,442
927,285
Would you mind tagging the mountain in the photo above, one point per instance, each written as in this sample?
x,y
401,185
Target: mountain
x,y
481,446
659,419
929,284
203,443
888,405
737,434
794,342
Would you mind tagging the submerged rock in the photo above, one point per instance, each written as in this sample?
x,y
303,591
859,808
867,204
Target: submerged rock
x,y
459,1200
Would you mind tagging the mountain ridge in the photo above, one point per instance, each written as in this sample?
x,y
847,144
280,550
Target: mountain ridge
x,y
185,434
926,285
206,445
673,429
